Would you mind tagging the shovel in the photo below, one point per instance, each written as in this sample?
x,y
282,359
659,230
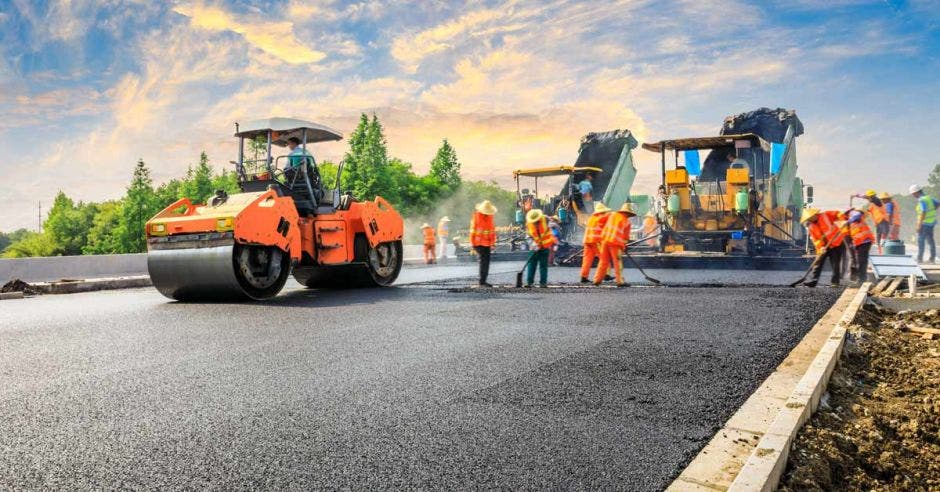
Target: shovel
x,y
519,275
637,265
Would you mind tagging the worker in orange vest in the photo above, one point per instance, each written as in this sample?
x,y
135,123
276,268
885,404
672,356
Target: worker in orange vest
x,y
543,240
893,211
827,230
592,238
862,239
483,236
879,216
614,239
429,244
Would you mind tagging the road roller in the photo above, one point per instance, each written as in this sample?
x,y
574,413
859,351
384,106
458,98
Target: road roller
x,y
283,221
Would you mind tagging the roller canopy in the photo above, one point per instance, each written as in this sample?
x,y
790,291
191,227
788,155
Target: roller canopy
x,y
706,143
543,172
284,128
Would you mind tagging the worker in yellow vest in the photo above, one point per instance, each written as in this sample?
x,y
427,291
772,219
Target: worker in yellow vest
x,y
430,243
483,236
614,240
542,240
926,221
592,239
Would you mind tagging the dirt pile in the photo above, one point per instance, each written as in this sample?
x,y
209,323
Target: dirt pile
x,y
17,285
878,428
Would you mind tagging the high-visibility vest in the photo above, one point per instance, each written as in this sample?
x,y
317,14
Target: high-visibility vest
x,y
541,233
482,230
895,215
878,213
595,228
428,235
824,232
617,230
443,228
861,233
927,206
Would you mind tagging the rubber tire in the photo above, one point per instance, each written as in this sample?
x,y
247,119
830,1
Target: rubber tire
x,y
357,275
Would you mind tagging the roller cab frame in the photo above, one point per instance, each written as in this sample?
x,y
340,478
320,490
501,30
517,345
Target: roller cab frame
x,y
284,221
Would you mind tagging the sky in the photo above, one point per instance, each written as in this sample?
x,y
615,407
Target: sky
x,y
89,87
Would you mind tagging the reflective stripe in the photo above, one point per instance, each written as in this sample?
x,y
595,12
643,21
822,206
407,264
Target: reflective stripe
x,y
482,230
541,233
595,228
926,206
428,235
861,233
824,232
617,230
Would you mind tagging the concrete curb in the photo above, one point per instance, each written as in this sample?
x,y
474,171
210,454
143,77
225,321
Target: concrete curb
x,y
720,462
767,462
90,285
10,295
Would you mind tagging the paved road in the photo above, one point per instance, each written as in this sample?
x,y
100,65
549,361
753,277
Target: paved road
x,y
418,386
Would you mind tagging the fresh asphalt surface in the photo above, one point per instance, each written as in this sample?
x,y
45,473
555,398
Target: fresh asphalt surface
x,y
418,386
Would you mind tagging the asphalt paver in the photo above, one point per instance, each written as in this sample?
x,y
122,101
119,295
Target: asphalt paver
x,y
419,386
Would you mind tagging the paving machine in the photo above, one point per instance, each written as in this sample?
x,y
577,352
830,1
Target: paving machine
x,y
245,245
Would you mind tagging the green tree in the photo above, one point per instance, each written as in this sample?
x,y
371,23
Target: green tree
x,y
6,239
67,224
139,205
366,173
198,183
933,182
445,166
104,236
31,244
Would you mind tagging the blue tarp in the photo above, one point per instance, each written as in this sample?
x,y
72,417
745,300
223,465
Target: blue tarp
x,y
692,162
776,156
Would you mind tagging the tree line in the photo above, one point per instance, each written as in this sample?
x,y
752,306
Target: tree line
x,y
117,226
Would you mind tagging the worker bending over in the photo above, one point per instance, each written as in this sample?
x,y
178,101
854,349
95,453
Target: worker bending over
x,y
613,242
592,238
543,240
443,231
483,236
926,220
862,239
826,231
429,243
879,215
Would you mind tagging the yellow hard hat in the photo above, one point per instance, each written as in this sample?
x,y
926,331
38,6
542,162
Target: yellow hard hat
x,y
486,207
533,216
870,193
884,195
600,208
627,208
808,214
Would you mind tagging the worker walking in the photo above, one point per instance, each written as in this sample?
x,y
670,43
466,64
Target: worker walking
x,y
592,239
443,231
862,240
926,220
483,236
879,216
826,231
614,240
543,240
430,243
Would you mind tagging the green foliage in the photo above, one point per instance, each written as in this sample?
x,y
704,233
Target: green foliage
x,y
104,236
67,225
366,173
445,166
139,205
31,244
198,183
6,239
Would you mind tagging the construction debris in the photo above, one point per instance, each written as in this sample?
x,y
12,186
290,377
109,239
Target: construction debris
x,y
877,428
17,285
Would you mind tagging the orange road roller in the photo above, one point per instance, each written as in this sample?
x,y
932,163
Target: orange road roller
x,y
245,245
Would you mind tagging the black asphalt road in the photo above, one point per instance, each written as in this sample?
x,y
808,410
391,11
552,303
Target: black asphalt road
x,y
400,388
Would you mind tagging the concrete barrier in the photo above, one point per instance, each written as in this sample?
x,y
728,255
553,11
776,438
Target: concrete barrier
x,y
73,267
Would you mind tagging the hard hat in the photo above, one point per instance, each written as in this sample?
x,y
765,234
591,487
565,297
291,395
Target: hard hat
x,y
884,196
533,216
486,207
916,189
808,214
870,193
600,208
445,219
627,208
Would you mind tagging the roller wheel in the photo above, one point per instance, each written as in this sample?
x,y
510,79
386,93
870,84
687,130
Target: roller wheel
x,y
261,270
374,267
384,262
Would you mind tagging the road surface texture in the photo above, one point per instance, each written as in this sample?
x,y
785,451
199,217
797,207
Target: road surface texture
x,y
417,386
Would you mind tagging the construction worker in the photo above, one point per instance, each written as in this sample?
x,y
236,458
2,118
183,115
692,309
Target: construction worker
x,y
862,239
894,216
586,187
926,220
483,236
826,229
649,227
614,239
443,231
592,238
879,216
430,243
543,240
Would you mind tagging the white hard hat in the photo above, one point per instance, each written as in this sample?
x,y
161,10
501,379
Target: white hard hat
x,y
916,189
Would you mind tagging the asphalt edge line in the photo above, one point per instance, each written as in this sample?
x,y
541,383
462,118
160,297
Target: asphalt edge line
x,y
718,463
764,468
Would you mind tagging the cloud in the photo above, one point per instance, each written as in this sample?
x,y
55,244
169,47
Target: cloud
x,y
274,38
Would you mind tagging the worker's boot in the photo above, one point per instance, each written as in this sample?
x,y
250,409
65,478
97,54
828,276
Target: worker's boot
x,y
623,284
584,280
485,284
608,278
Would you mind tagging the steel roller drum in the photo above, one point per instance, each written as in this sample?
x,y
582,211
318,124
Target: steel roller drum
x,y
195,273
